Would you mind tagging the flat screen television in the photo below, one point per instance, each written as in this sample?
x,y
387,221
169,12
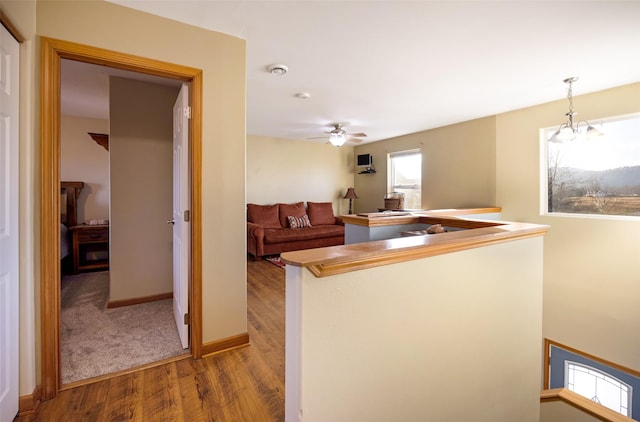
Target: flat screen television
x,y
364,160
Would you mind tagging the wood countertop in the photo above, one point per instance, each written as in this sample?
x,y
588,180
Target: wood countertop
x,y
333,260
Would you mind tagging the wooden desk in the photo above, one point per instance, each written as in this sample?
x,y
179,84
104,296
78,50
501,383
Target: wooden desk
x,y
85,239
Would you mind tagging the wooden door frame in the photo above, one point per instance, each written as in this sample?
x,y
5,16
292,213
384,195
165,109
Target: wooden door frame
x,y
51,53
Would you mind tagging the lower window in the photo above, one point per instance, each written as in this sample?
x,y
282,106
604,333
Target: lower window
x,y
610,385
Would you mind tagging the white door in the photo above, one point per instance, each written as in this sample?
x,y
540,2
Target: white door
x,y
9,60
180,218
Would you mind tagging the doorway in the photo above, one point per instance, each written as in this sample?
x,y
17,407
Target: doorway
x,y
116,305
52,53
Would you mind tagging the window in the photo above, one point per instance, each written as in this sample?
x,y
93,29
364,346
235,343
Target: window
x,y
610,385
405,176
598,386
599,176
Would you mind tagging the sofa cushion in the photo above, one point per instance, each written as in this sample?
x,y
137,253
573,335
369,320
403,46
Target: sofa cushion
x,y
264,215
305,233
321,213
298,222
294,210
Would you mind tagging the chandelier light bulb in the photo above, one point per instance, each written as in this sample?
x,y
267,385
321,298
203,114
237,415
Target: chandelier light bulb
x,y
568,131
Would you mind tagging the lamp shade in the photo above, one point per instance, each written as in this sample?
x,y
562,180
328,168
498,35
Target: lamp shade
x,y
351,194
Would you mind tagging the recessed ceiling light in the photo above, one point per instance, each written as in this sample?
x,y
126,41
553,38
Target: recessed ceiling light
x,y
278,69
303,95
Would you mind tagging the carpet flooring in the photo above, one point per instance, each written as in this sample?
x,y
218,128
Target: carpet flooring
x,y
96,340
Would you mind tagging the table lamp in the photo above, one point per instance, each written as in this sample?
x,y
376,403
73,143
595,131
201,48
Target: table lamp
x,y
350,195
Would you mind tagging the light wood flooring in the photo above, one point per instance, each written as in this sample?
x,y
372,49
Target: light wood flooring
x,y
245,384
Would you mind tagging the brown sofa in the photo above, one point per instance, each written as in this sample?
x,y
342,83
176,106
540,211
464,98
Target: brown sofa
x,y
272,229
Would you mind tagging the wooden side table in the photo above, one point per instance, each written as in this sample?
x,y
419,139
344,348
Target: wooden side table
x,y
86,238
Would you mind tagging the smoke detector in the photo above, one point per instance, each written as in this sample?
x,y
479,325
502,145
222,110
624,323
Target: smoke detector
x,y
278,69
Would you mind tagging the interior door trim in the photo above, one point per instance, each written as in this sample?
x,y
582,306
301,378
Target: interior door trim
x,y
51,52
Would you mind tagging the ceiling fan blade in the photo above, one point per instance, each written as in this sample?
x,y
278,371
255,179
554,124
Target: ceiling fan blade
x,y
354,140
357,134
319,137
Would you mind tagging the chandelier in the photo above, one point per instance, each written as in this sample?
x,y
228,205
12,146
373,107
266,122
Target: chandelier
x,y
569,131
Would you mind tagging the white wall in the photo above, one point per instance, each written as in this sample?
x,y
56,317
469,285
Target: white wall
x,y
287,171
83,160
591,284
452,337
141,147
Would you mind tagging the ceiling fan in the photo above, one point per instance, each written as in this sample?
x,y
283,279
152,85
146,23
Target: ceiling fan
x,y
339,136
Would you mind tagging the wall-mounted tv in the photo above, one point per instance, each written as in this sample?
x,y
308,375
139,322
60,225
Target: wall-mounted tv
x,y
364,160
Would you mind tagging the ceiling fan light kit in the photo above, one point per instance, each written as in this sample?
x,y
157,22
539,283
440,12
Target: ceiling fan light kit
x,y
338,136
568,131
337,139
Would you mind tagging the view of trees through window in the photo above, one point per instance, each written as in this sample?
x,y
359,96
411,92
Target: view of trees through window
x,y
405,176
596,176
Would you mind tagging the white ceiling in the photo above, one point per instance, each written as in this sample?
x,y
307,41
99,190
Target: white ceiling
x,y
389,68
85,87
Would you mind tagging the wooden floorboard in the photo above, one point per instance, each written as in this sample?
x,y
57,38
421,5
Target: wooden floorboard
x,y
244,384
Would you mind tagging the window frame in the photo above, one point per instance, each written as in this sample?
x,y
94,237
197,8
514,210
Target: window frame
x,y
391,173
556,354
544,135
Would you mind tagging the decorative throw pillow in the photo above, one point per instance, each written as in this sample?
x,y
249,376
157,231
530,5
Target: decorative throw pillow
x,y
299,222
321,213
264,215
295,210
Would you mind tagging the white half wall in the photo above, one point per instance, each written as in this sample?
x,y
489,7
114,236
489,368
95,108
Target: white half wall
x,y
453,337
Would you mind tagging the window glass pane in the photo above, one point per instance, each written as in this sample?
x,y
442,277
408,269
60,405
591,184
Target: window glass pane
x,y
598,386
406,177
595,380
596,176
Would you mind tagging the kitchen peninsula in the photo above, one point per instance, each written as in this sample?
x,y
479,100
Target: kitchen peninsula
x,y
366,227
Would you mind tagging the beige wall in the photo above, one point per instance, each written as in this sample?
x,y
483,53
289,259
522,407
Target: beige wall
x,y
113,27
458,166
281,170
560,411
105,25
453,337
590,278
591,284
141,147
83,160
